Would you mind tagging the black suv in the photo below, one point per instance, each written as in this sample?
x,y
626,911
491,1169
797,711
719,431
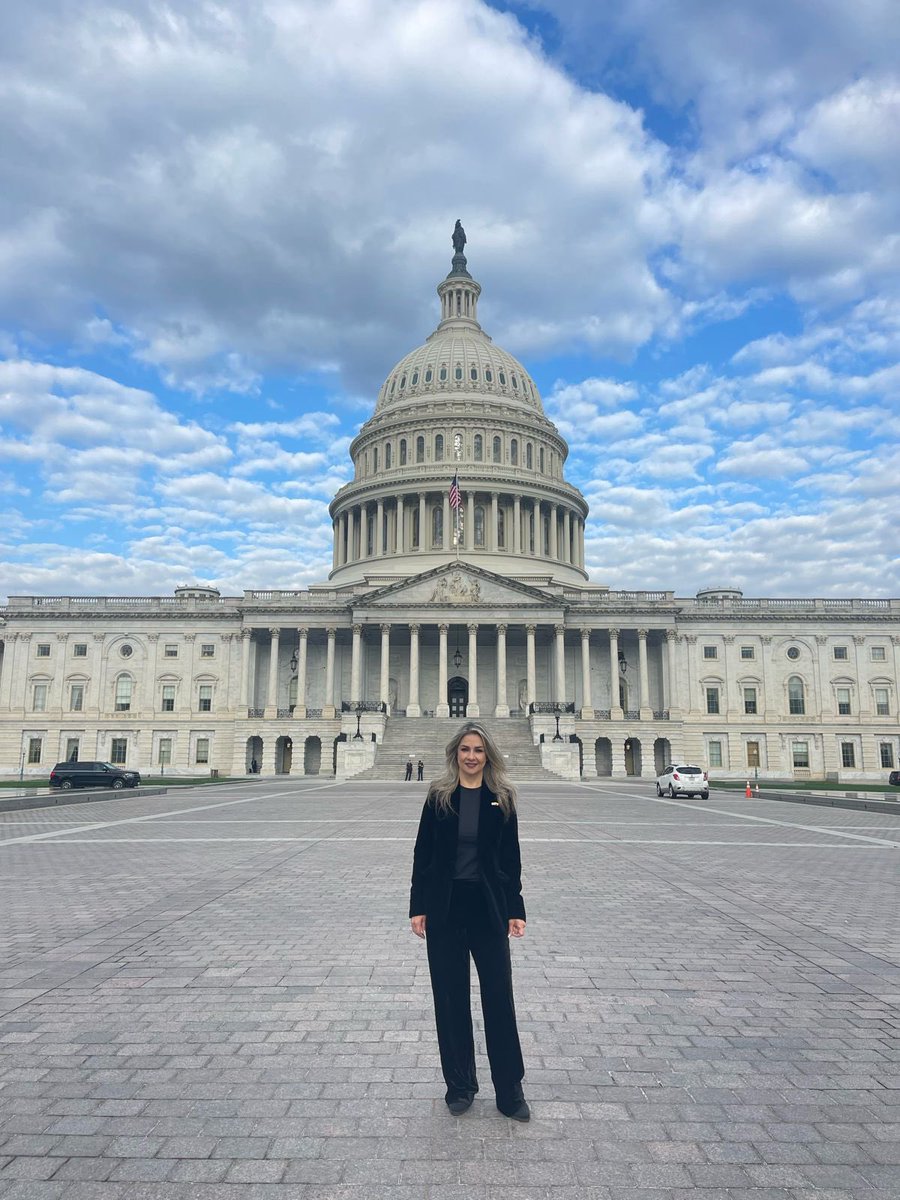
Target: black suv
x,y
67,775
894,779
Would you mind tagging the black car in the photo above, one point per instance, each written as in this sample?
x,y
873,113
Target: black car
x,y
894,779
67,775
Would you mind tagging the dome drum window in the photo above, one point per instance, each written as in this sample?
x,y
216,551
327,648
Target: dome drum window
x,y
415,378
488,375
473,374
458,372
402,382
442,374
502,377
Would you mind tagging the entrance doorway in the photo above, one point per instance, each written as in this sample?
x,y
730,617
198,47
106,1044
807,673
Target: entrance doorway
x,y
254,755
312,756
633,764
457,696
662,754
284,753
603,756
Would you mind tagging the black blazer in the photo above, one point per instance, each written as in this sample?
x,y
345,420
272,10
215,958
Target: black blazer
x,y
434,861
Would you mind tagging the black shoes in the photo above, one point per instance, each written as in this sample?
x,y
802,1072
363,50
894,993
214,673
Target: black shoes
x,y
461,1104
515,1107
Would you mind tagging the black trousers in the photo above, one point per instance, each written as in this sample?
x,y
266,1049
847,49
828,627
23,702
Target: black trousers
x,y
467,931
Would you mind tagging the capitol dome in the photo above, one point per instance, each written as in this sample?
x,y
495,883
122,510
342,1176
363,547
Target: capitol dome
x,y
459,405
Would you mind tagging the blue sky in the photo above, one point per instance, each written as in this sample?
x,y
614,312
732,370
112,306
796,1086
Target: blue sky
x,y
222,223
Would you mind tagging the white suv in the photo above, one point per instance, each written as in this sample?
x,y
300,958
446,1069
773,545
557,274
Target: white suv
x,y
689,780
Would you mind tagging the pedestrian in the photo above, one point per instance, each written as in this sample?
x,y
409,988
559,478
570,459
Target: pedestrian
x,y
420,772
408,775
466,899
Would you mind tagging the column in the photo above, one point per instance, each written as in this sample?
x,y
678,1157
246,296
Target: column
x,y
615,708
412,706
354,665
472,709
517,524
502,707
671,701
442,708
469,533
554,538
328,708
567,537
272,688
645,710
530,671
246,634
345,535
587,704
493,542
335,538
423,532
447,539
400,540
385,663
300,706
560,664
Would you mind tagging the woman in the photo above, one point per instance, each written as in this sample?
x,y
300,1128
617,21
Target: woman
x,y
467,890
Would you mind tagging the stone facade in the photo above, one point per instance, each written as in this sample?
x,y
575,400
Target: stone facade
x,y
434,610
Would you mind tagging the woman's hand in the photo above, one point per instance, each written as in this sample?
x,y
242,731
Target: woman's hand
x,y
517,928
418,925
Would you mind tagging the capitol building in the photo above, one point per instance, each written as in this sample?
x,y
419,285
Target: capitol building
x,y
458,588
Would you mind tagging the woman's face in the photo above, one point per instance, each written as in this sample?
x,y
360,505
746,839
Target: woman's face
x,y
471,758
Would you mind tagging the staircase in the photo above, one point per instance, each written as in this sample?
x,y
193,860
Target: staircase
x,y
427,738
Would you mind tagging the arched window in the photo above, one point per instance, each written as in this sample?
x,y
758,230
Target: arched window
x,y
403,452
458,371
420,449
530,519
515,383
473,374
541,460
478,447
370,535
415,378
529,456
514,452
479,525
796,696
393,385
437,526
501,529
374,460
488,375
443,374
402,382
503,379
545,536
439,448
429,375
388,455
497,450
124,687
415,529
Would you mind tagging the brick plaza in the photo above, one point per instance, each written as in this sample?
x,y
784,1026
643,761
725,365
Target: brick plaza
x,y
215,994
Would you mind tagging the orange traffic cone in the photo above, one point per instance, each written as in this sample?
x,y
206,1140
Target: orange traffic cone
x,y
748,792
757,789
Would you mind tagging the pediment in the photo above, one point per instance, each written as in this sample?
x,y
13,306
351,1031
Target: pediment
x,y
459,585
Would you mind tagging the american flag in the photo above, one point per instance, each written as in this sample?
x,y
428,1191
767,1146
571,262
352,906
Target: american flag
x,y
455,497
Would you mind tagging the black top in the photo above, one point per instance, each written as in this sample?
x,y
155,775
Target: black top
x,y
467,845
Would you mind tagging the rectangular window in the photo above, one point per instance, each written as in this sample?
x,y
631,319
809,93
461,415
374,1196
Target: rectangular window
x,y
712,699
205,704
76,697
800,755
165,751
848,754
35,746
748,652
123,693
79,650
72,747
843,701
168,697
879,654
882,702
43,650
207,650
840,653
715,754
170,651
202,750
710,652
750,700
753,754
39,698
886,754
119,750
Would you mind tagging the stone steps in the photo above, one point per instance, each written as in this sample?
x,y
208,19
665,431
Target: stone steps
x,y
427,738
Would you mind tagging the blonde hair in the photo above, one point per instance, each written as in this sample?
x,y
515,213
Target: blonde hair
x,y
495,776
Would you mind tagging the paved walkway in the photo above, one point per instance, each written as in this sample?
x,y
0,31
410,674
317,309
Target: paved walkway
x,y
214,994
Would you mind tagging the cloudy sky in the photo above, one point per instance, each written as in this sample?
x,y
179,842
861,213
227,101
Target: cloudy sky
x,y
221,223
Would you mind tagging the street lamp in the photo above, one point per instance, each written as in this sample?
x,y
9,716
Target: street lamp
x,y
457,656
557,737
293,662
359,711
